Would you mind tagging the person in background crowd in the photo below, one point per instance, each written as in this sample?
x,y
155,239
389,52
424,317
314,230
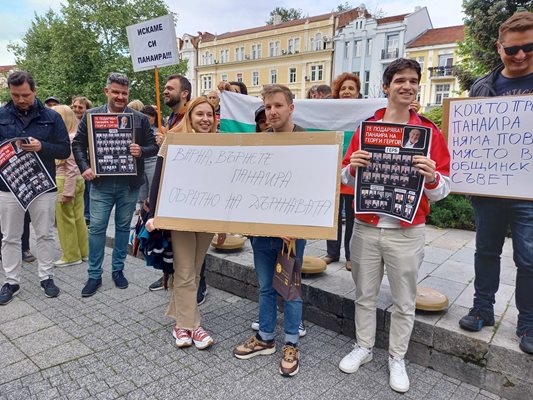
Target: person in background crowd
x,y
381,241
80,104
234,86
278,101
311,92
51,102
495,215
323,92
136,105
176,94
149,162
71,228
345,86
189,248
27,255
214,99
45,131
108,191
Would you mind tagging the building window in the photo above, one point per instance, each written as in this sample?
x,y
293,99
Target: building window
x,y
392,47
357,48
366,83
254,51
346,48
224,77
292,75
316,72
369,47
441,92
255,78
239,77
271,49
273,76
318,41
290,46
206,82
259,51
421,62
445,60
277,48
297,45
239,54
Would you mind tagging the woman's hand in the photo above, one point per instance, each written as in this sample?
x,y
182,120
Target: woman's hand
x,y
360,158
150,227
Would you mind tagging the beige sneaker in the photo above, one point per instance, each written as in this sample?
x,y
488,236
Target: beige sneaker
x,y
290,363
254,347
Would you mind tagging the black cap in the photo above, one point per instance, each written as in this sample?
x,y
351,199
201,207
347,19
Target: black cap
x,y
259,111
52,98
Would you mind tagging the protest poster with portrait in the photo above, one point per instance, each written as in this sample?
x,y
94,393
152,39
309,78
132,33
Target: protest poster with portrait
x,y
110,136
23,172
391,183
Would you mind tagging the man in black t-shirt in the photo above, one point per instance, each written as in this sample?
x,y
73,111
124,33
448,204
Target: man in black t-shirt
x,y
495,215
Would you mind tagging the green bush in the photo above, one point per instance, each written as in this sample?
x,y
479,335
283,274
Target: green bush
x,y
455,211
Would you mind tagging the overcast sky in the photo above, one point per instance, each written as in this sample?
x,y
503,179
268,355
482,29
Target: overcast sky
x,y
219,16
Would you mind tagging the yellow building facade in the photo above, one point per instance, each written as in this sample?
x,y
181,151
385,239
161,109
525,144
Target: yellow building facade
x,y
298,54
436,52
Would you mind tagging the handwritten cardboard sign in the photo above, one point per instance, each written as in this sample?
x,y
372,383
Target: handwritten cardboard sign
x,y
275,184
153,43
491,145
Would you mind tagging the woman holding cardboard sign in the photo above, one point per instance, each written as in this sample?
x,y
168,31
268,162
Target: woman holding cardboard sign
x,y
189,247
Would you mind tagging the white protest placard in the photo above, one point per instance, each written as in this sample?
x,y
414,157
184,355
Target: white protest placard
x,y
260,184
491,145
153,43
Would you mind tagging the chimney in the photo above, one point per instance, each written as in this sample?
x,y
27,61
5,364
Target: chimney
x,y
277,19
417,8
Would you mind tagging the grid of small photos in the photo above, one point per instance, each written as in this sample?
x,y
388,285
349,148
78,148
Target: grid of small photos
x,y
389,184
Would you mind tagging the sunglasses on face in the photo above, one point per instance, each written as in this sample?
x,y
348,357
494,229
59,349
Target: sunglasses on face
x,y
513,50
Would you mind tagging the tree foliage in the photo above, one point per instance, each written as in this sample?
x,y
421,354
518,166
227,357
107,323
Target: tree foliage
x,y
482,20
286,14
71,52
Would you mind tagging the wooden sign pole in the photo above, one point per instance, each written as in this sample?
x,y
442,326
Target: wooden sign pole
x,y
157,101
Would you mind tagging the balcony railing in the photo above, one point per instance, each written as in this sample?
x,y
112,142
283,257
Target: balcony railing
x,y
435,72
387,54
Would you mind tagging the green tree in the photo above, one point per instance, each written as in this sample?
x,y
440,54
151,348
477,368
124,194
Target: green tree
x,y
71,52
482,20
286,14
344,7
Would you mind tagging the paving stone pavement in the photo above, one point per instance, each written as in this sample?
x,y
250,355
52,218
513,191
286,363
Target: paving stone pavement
x,y
117,344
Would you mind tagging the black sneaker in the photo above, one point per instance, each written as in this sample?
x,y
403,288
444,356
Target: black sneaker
x,y
200,297
91,287
27,256
526,341
7,293
477,319
49,287
120,280
157,285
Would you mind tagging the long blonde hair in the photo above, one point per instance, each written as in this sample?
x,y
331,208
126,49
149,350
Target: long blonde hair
x,y
69,118
185,124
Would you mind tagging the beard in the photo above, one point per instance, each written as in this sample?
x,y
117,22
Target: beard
x,y
172,101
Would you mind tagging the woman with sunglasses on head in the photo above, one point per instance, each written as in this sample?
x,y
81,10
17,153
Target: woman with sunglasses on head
x,y
189,248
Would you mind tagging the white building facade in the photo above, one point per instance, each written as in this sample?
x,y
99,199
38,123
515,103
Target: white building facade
x,y
366,46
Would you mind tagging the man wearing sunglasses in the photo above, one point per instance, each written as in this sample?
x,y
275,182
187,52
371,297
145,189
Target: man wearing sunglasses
x,y
495,215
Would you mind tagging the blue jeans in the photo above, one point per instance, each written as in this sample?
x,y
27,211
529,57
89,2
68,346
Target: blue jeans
x,y
493,218
106,193
266,251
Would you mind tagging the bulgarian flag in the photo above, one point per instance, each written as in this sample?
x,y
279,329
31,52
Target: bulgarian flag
x,y
237,114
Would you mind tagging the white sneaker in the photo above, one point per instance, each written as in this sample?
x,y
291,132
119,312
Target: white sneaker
x,y
255,325
357,357
398,380
61,263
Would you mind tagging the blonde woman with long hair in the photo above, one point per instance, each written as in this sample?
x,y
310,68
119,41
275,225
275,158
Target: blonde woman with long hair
x,y
189,248
70,221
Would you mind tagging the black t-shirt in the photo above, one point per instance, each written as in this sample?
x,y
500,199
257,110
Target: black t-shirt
x,y
513,86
